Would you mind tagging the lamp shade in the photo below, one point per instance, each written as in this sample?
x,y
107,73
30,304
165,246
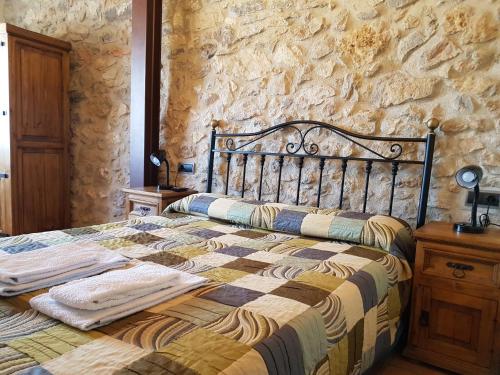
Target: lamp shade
x,y
468,177
157,157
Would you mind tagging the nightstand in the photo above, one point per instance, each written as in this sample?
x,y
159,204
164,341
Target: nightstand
x,y
455,320
148,201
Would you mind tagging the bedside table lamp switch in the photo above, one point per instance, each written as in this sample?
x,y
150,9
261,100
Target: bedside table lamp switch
x,y
469,177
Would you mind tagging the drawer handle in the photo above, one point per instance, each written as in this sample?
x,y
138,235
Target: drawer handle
x,y
459,269
424,318
144,210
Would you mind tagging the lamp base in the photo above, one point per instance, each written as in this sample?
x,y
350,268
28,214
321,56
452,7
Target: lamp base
x,y
467,228
164,187
177,189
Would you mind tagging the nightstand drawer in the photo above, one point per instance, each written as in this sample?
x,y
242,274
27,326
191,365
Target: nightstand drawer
x,y
143,209
460,267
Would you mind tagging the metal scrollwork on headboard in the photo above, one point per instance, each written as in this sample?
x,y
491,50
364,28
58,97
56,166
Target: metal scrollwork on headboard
x,y
304,146
312,148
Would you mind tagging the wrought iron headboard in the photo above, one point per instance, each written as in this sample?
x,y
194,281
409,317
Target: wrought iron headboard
x,y
311,151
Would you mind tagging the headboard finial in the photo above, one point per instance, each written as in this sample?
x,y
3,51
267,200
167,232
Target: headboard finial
x,y
214,124
432,124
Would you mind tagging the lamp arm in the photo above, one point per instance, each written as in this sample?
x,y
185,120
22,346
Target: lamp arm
x,y
474,206
168,172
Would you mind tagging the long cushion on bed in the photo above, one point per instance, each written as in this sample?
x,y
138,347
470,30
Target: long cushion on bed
x,y
276,303
381,231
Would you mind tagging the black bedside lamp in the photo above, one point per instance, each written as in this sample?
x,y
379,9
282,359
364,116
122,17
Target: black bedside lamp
x,y
469,177
157,158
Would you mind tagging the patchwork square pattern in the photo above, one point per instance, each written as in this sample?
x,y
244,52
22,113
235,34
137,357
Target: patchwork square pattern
x,y
265,256
241,212
206,233
202,349
232,295
307,294
264,284
346,228
266,306
230,239
275,300
236,251
309,253
246,265
142,238
14,249
223,275
252,234
297,262
214,259
289,221
364,252
146,227
80,231
201,204
350,260
103,353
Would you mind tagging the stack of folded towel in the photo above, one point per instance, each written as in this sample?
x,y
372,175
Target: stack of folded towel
x,y
99,300
36,269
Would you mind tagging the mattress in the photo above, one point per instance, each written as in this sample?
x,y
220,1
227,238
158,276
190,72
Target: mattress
x,y
292,290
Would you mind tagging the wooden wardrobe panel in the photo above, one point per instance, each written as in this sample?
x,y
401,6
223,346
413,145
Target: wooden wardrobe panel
x,y
43,199
31,189
55,198
39,85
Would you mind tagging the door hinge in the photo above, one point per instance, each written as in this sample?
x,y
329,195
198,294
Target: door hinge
x,y
424,319
2,44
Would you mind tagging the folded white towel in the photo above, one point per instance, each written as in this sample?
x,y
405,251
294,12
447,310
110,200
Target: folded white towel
x,y
107,260
38,264
90,319
115,287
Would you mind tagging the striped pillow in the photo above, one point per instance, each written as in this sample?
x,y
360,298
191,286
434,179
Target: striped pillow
x,y
380,231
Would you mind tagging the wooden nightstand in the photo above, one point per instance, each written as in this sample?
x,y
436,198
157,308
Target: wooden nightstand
x,y
455,320
148,201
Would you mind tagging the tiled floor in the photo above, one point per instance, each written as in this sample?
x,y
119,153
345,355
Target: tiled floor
x,y
398,365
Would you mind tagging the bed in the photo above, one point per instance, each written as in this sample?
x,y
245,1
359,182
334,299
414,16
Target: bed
x,y
292,290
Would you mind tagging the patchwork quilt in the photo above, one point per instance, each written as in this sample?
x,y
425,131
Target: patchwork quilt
x,y
293,290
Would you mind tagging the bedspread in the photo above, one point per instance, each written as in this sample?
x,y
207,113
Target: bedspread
x,y
277,303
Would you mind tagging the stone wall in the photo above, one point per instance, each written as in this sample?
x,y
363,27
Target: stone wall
x,y
99,32
372,66
2,16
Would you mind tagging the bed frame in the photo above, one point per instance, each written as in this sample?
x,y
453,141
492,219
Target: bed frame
x,y
306,148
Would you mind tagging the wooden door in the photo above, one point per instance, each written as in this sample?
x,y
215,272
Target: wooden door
x,y
5,170
40,121
455,325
